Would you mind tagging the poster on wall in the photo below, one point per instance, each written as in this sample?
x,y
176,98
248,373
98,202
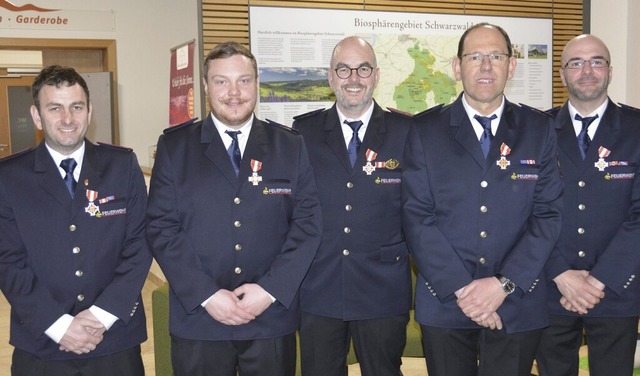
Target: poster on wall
x,y
414,52
181,95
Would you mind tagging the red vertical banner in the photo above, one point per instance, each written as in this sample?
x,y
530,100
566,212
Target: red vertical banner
x,y
181,100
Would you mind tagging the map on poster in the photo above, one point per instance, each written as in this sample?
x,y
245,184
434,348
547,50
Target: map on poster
x,y
414,52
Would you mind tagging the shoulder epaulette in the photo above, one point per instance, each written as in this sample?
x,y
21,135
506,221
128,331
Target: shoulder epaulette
x,y
526,106
553,111
17,154
399,112
429,110
307,114
627,107
112,146
180,126
281,126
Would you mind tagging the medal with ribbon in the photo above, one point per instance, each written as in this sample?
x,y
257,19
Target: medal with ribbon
x,y
255,167
601,164
369,167
92,209
503,162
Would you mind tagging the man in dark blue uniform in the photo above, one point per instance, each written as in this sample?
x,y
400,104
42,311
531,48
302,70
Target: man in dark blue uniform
x,y
481,196
359,285
234,222
73,253
597,258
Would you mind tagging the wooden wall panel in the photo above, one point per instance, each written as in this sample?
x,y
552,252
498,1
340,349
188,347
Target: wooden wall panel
x,y
224,20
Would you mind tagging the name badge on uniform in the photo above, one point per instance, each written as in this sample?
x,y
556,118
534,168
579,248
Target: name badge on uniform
x,y
255,167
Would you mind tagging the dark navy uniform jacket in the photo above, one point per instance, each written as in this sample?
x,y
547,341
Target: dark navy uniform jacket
x,y
601,221
467,217
57,257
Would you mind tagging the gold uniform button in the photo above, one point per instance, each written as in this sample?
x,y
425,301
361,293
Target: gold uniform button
x,y
237,270
581,184
79,273
580,230
347,230
581,254
483,209
238,247
72,228
75,250
348,208
237,224
80,297
236,201
345,252
581,207
484,184
483,234
482,260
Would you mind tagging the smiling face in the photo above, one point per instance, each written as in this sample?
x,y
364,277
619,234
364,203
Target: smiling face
x,y
64,116
588,85
484,83
232,86
354,95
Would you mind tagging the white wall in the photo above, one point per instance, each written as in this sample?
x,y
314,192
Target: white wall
x,y
145,32
616,27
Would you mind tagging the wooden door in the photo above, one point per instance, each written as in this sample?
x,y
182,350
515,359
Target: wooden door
x,y
17,131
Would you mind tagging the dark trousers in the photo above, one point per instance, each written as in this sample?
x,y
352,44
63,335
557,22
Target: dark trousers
x,y
478,352
258,357
379,343
611,344
123,363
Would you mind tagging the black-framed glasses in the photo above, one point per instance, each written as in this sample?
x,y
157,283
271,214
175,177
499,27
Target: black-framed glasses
x,y
596,62
363,71
476,58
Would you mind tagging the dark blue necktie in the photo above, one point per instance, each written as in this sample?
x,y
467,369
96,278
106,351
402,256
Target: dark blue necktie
x,y
485,138
234,150
583,136
354,144
68,165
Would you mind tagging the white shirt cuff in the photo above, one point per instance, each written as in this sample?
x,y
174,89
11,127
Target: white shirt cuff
x,y
59,328
103,316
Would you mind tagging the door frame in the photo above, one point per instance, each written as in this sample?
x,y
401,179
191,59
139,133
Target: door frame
x,y
109,62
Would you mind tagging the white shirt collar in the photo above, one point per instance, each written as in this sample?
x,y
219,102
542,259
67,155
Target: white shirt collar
x,y
78,155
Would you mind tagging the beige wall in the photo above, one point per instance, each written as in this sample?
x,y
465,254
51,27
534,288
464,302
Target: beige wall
x,y
616,27
145,32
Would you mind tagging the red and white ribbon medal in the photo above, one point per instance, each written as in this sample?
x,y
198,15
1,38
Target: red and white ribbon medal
x,y
601,164
255,167
503,162
92,209
369,167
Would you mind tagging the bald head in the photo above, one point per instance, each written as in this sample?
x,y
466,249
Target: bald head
x,y
354,43
583,43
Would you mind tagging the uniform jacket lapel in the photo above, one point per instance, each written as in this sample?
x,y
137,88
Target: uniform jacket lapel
x,y
51,181
216,152
90,177
464,133
335,138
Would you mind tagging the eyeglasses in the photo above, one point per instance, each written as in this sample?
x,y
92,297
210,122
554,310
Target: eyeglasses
x,y
363,71
596,62
476,58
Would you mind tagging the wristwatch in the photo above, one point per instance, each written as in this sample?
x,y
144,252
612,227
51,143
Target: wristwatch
x,y
507,286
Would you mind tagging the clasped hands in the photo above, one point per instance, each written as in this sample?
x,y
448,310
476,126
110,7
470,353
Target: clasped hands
x,y
83,335
580,290
239,306
479,301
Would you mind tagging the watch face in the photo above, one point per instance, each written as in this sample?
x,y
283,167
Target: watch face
x,y
509,287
